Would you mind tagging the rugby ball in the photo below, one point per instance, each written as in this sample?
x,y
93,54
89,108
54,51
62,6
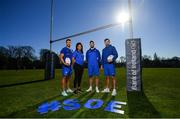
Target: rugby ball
x,y
67,60
110,58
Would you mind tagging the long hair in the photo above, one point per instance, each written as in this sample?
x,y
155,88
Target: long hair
x,y
81,47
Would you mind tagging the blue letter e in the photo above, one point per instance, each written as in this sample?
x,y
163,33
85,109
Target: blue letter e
x,y
114,106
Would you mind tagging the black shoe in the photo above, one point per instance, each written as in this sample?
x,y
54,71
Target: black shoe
x,y
79,90
75,92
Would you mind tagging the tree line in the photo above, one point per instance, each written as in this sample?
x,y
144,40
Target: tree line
x,y
24,57
21,57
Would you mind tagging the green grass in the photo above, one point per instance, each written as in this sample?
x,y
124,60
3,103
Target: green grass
x,y
160,97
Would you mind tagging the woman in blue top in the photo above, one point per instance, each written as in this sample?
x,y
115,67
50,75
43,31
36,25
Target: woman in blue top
x,y
78,61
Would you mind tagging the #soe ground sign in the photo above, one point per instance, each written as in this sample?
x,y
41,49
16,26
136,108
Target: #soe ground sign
x,y
74,104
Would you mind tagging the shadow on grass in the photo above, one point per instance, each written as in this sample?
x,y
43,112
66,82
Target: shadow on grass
x,y
23,83
91,113
105,96
140,106
83,98
32,109
82,95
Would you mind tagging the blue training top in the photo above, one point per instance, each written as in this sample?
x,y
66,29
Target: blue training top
x,y
109,50
68,53
93,56
79,57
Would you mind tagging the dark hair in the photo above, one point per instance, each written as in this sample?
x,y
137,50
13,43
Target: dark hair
x,y
81,47
106,39
91,41
68,40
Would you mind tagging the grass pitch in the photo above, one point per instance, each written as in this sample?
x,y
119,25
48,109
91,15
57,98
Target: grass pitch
x,y
160,97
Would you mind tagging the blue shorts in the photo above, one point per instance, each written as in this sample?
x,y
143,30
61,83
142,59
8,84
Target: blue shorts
x,y
66,71
109,69
93,70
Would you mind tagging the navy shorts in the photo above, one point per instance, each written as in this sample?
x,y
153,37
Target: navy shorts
x,y
66,71
93,70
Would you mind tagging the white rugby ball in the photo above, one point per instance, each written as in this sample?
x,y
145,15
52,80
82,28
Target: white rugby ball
x,y
110,57
67,60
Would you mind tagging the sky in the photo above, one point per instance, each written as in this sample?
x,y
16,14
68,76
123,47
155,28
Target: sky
x,y
27,22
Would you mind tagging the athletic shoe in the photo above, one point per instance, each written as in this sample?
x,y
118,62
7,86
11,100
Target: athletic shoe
x,y
88,90
106,90
79,90
97,90
64,93
114,92
75,91
69,90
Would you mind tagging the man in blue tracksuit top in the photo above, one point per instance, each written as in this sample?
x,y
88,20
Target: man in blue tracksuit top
x,y
93,58
109,56
66,60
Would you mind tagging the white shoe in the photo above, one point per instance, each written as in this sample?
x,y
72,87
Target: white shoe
x,y
114,92
106,90
97,90
64,93
69,90
88,90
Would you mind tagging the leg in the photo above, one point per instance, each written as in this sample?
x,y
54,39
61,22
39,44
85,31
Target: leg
x,y
114,93
107,74
96,73
63,83
107,81
112,74
90,73
68,80
64,86
80,77
90,84
106,89
75,77
90,81
114,82
97,81
68,84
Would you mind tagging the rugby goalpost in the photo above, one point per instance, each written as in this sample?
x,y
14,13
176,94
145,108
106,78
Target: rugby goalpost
x,y
133,53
